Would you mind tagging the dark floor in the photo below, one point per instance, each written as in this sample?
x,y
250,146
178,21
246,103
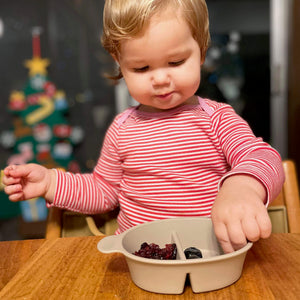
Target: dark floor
x,y
17,229
10,230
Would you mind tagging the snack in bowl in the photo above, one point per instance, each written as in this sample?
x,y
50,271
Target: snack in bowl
x,y
192,253
155,252
169,276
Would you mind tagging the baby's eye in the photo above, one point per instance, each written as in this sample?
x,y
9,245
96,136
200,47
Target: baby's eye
x,y
141,70
177,63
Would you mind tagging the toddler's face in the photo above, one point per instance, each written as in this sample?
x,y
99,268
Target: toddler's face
x,y
162,66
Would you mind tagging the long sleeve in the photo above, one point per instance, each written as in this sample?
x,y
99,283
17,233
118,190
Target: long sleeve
x,y
247,154
96,192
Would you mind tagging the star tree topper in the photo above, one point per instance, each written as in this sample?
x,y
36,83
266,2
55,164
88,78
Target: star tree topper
x,y
37,65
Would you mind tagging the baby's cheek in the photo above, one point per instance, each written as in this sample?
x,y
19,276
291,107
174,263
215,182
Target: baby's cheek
x,y
138,90
189,84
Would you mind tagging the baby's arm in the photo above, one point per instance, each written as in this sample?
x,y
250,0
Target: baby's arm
x,y
254,180
239,213
23,182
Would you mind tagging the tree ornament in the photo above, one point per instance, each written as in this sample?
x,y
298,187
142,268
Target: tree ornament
x,y
41,131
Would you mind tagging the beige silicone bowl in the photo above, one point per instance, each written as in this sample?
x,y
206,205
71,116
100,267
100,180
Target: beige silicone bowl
x,y
214,271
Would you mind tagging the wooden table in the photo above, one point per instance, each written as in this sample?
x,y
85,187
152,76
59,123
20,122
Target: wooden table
x,y
73,268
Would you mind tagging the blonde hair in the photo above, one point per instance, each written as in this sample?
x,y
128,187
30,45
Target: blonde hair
x,y
124,19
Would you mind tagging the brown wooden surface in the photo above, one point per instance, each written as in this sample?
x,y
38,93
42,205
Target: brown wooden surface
x,y
54,223
291,192
73,268
289,197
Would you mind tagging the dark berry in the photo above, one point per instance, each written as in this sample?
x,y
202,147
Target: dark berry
x,y
144,245
192,252
155,252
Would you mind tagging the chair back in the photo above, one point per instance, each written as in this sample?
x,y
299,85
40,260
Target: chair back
x,y
284,211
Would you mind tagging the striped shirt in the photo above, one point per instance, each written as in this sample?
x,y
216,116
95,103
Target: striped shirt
x,y
169,164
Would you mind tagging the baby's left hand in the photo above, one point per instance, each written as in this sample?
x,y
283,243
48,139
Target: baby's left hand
x,y
239,213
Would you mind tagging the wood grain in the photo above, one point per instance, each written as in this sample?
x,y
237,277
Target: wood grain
x,y
292,193
13,255
53,229
73,268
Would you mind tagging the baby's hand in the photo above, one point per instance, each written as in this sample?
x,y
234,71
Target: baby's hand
x,y
239,213
23,182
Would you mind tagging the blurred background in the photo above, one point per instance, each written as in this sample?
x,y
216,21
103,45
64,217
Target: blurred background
x,y
253,64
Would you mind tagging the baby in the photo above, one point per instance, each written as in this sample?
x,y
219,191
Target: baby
x,y
175,154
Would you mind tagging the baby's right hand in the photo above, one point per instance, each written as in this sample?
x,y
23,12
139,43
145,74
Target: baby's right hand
x,y
23,182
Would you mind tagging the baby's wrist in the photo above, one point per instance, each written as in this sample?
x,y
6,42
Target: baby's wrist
x,y
244,181
50,187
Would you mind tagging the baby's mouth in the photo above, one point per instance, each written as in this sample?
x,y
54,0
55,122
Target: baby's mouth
x,y
164,96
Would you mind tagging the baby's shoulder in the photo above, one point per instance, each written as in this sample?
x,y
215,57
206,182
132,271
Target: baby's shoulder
x,y
123,116
216,106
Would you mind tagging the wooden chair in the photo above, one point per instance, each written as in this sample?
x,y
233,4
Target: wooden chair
x,y
62,223
284,213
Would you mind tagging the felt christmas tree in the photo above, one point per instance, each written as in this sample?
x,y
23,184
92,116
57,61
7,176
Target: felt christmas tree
x,y
41,132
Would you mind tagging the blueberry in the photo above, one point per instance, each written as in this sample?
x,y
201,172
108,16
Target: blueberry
x,y
192,252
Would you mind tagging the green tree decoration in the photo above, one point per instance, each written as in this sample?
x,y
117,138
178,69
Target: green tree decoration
x,y
41,132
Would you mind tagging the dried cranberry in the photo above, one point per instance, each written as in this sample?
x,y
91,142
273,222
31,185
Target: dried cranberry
x,y
155,252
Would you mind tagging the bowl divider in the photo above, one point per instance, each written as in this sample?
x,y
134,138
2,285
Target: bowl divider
x,y
175,239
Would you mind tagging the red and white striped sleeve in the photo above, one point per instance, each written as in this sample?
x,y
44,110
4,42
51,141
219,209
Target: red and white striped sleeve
x,y
247,154
96,192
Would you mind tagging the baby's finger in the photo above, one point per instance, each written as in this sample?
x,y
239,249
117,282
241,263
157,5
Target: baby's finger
x,y
15,170
264,224
223,238
8,169
251,229
236,235
16,197
14,192
12,189
7,180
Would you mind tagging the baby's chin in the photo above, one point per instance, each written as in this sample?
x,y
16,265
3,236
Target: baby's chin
x,y
163,107
155,109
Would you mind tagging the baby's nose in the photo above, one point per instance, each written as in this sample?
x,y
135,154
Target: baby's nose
x,y
160,77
